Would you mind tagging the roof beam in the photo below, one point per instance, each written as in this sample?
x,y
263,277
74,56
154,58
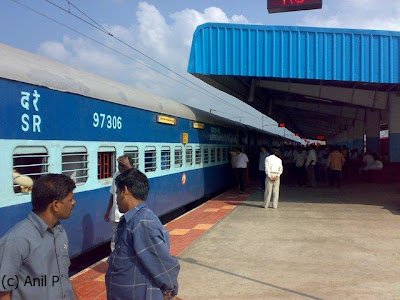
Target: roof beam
x,y
354,113
353,96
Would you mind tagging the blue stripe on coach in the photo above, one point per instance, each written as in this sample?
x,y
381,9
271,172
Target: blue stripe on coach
x,y
87,229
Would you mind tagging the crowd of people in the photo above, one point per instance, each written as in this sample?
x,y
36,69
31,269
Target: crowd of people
x,y
312,165
304,166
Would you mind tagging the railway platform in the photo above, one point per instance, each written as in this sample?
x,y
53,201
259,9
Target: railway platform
x,y
89,283
322,243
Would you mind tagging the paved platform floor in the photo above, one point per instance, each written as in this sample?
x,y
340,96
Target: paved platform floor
x,y
89,284
323,243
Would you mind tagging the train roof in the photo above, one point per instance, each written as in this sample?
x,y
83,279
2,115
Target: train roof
x,y
22,66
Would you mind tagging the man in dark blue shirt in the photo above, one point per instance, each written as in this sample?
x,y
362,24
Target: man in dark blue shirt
x,y
141,266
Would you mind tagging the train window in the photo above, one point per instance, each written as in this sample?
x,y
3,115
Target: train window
x,y
106,162
189,156
212,154
165,158
219,154
198,156
224,154
205,156
134,153
150,159
28,164
75,163
178,157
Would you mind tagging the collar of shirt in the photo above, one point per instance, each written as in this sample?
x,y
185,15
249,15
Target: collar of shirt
x,y
129,215
40,225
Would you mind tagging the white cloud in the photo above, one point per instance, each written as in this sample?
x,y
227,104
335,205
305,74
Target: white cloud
x,y
240,19
54,50
361,14
167,39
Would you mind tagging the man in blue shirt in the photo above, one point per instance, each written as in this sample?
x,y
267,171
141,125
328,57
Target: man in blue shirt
x,y
141,266
34,257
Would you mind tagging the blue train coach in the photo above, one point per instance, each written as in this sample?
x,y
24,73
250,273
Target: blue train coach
x,y
56,119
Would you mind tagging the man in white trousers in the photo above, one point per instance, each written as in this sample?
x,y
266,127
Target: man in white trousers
x,y
273,170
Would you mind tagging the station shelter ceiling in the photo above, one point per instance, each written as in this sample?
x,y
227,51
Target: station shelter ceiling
x,y
318,81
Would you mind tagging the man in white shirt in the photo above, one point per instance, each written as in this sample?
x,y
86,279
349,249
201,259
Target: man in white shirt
x,y
310,166
125,162
273,170
241,166
368,161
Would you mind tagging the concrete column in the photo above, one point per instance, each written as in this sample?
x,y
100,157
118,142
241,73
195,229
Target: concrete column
x,y
394,128
350,138
372,130
355,136
342,138
358,136
345,138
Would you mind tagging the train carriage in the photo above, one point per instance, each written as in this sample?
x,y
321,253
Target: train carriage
x,y
57,119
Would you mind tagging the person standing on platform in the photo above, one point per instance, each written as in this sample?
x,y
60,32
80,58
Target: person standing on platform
x,y
367,161
125,162
301,158
141,266
234,164
242,163
261,165
273,170
322,158
34,259
310,166
335,165
287,165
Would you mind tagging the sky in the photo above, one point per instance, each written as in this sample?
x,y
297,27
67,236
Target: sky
x,y
163,30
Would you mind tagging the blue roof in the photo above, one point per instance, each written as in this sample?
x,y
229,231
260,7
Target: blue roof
x,y
296,53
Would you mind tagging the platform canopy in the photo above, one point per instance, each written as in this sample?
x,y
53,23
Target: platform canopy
x,y
318,81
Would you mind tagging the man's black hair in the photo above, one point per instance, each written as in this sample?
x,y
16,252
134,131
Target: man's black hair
x,y
136,182
50,187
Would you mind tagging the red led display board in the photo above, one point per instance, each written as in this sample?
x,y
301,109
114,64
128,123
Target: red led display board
x,y
277,6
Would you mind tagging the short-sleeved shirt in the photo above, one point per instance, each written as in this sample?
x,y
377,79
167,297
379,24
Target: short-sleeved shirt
x,y
335,161
369,160
242,161
311,158
141,266
36,258
115,215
